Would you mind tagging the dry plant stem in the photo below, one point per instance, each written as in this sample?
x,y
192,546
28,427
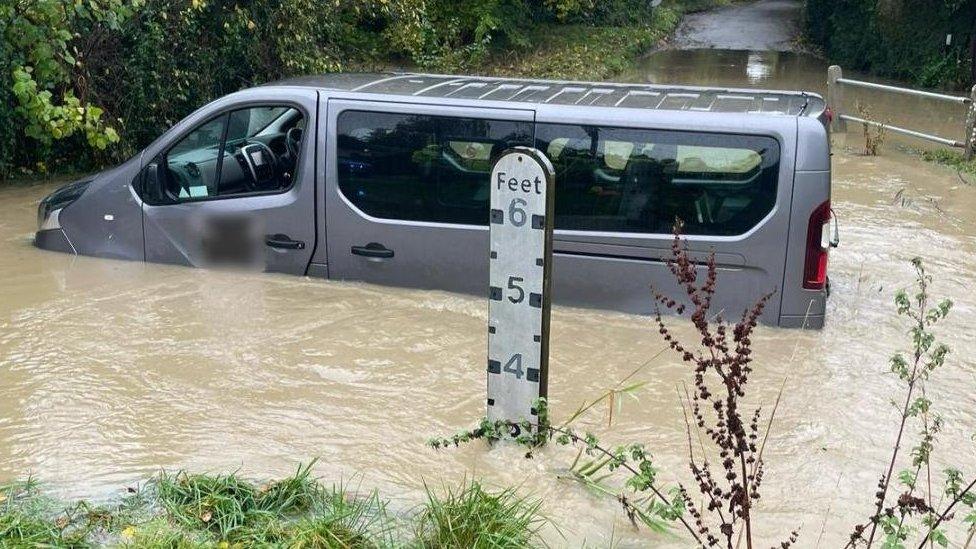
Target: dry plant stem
x,y
918,470
769,424
928,467
762,446
923,306
701,441
746,507
823,525
721,356
611,391
691,454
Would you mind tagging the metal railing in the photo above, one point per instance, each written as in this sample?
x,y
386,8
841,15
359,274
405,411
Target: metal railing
x,y
835,100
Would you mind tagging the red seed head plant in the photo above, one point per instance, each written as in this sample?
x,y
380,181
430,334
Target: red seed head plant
x,y
722,362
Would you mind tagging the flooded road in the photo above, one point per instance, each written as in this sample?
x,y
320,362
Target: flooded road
x,y
767,25
111,370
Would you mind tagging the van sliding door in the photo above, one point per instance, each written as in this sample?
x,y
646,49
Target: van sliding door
x,y
407,191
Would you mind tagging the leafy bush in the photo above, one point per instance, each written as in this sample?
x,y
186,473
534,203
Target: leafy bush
x,y
602,12
890,38
49,96
452,34
90,82
178,56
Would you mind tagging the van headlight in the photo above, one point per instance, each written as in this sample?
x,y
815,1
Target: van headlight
x,y
49,211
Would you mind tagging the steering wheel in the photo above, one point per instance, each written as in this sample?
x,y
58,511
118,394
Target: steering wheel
x,y
260,162
293,140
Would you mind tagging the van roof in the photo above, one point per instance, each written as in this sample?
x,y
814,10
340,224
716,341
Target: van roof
x,y
561,92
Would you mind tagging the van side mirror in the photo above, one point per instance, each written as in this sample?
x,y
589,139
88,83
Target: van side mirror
x,y
150,185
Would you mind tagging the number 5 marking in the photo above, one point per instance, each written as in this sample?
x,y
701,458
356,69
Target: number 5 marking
x,y
513,286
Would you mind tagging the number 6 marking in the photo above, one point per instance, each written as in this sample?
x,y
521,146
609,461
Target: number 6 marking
x,y
515,213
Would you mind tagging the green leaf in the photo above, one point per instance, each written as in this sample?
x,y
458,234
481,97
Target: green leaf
x,y
907,478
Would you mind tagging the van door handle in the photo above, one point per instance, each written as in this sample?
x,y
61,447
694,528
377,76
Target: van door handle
x,y
284,242
373,249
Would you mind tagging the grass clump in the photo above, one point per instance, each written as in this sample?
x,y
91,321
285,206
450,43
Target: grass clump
x,y
951,159
471,516
220,503
295,494
17,529
335,518
27,519
161,533
195,511
295,512
346,520
343,530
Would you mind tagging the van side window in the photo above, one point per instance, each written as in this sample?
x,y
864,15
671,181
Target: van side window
x,y
260,153
422,168
192,162
246,151
626,180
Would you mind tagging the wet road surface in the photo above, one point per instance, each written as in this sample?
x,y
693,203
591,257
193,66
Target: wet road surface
x,y
769,25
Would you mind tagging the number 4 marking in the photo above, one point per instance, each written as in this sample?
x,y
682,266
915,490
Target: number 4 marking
x,y
514,366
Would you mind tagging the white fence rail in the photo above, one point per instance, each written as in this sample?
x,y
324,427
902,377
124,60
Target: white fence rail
x,y
835,100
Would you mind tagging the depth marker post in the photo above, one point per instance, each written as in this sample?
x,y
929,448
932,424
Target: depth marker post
x,y
519,274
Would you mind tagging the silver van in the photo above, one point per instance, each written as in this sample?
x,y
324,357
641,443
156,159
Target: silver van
x,y
383,178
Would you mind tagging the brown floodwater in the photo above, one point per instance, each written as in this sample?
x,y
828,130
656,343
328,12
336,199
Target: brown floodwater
x,y
112,370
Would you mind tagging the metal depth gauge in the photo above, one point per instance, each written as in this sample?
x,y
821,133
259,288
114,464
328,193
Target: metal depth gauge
x,y
519,274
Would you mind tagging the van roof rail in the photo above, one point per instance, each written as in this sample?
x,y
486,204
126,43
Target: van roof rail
x,y
564,92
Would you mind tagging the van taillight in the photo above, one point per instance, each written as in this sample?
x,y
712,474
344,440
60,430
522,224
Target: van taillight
x,y
818,241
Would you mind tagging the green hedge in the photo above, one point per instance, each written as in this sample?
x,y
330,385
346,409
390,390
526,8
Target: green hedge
x,y
904,39
8,134
87,82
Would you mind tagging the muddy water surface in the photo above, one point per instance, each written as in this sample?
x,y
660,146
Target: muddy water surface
x,y
111,370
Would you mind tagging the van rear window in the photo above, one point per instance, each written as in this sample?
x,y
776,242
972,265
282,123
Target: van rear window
x,y
626,180
436,168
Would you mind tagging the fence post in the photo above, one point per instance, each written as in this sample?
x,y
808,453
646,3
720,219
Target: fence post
x,y
971,126
835,98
